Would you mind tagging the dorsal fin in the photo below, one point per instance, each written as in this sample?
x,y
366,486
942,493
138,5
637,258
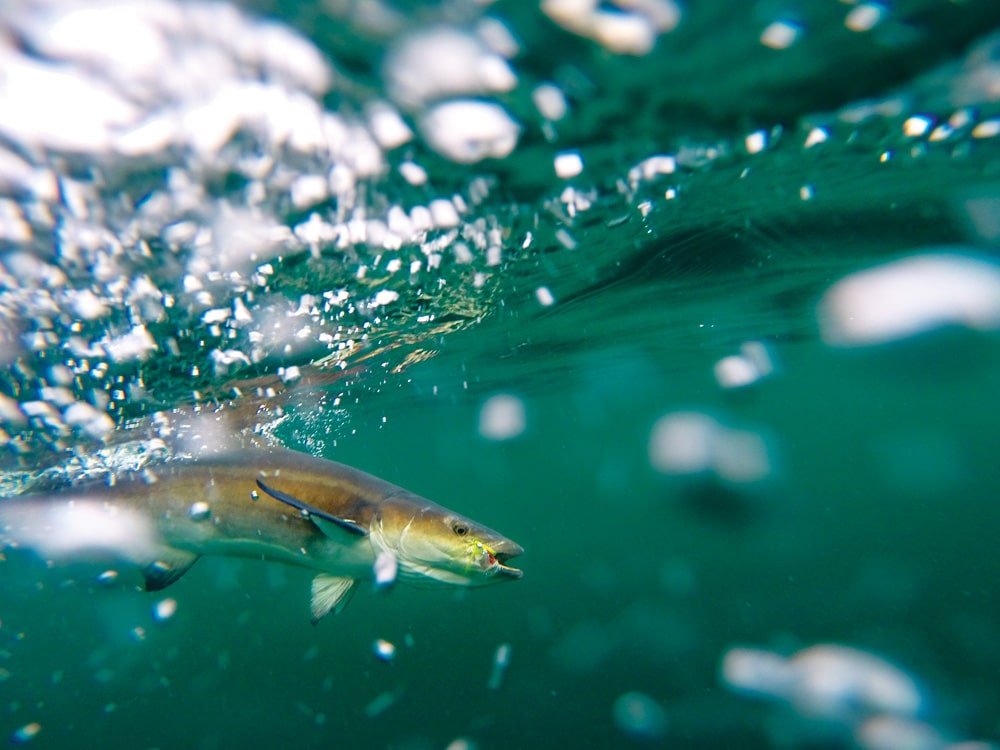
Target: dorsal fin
x,y
330,593
344,523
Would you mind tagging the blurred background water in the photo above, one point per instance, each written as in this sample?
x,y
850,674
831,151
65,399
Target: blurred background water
x,y
698,302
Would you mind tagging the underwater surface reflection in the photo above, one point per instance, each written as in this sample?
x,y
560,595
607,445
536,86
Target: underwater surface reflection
x,y
697,302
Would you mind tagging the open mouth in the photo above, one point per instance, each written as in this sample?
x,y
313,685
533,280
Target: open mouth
x,y
507,571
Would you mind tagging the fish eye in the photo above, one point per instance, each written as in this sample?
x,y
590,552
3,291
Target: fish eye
x,y
460,528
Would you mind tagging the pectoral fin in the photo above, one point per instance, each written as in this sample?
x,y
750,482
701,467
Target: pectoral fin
x,y
330,593
170,565
315,513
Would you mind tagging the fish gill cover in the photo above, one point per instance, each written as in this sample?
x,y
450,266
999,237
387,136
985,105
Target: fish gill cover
x,y
697,300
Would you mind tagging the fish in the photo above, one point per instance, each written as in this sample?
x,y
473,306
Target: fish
x,y
266,503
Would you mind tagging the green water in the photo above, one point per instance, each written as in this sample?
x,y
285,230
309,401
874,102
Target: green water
x,y
874,525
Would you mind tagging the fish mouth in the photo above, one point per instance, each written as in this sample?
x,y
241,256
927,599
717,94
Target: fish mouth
x,y
507,571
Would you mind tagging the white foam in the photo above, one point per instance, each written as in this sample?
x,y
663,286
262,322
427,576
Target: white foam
x,y
443,213
308,190
468,131
910,296
387,125
568,164
13,226
75,113
88,419
630,28
440,62
413,173
137,344
15,172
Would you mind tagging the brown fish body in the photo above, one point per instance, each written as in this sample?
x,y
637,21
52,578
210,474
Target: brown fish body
x,y
274,505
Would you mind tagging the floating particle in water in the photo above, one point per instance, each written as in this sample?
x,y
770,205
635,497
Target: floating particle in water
x,y
544,296
413,173
200,511
864,17
755,142
987,128
746,368
461,743
832,680
501,660
569,242
780,34
384,650
380,704
979,211
550,101
568,164
386,567
26,733
826,681
735,372
757,672
916,126
639,716
137,634
108,577
816,136
164,609
887,732
910,296
502,417
685,443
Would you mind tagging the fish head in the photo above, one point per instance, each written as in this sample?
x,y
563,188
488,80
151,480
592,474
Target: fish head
x,y
435,545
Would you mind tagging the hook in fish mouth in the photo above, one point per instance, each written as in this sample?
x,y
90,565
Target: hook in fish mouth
x,y
498,559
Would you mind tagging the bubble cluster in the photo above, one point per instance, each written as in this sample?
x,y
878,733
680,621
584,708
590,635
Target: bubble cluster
x,y
873,700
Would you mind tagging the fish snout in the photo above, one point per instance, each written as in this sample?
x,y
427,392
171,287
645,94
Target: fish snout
x,y
504,549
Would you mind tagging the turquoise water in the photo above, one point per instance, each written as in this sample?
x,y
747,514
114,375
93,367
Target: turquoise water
x,y
844,497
